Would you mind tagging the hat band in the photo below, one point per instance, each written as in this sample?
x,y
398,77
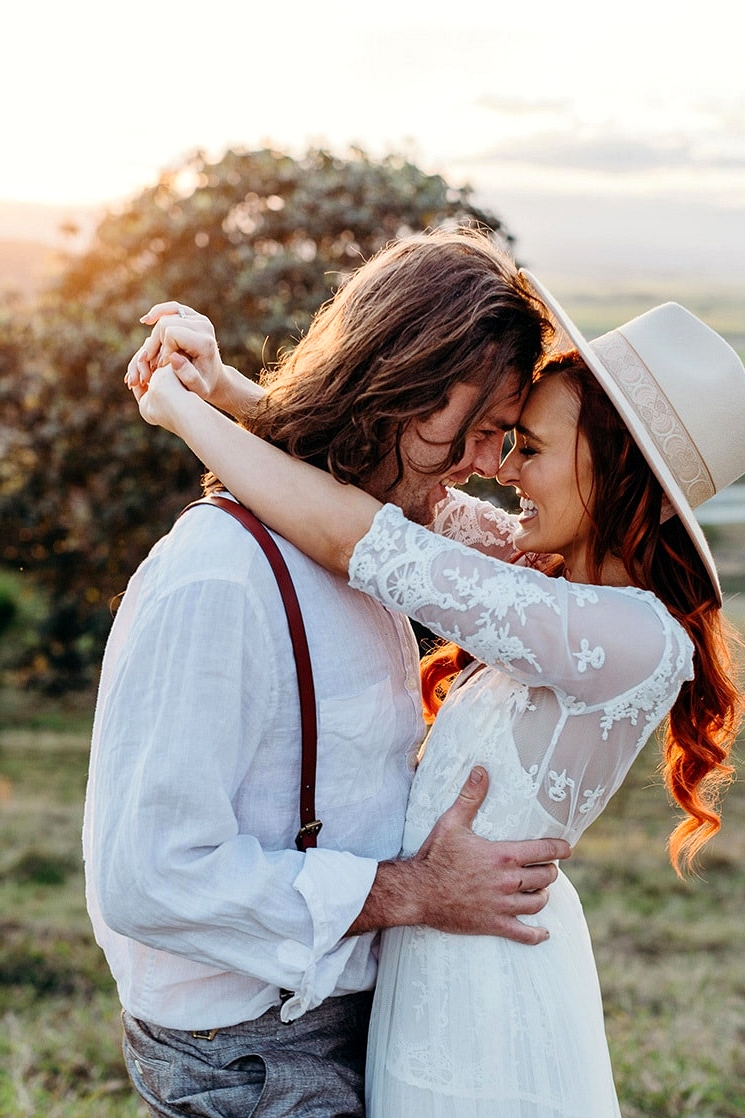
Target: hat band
x,y
662,423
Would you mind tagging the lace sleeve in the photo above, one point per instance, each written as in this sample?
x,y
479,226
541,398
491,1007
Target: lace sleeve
x,y
590,644
486,527
476,523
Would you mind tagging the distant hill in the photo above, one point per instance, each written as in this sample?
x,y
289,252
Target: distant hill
x,y
34,221
33,239
588,248
26,267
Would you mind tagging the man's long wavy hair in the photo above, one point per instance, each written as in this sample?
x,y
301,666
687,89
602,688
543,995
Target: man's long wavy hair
x,y
426,313
624,509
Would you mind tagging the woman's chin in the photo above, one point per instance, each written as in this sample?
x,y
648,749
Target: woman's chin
x,y
523,537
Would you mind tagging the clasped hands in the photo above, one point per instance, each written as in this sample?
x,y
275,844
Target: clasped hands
x,y
182,350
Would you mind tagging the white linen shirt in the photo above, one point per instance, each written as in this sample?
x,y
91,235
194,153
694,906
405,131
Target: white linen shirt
x,y
197,895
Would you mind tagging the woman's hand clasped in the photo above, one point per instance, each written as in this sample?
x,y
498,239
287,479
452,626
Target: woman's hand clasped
x,y
164,398
180,329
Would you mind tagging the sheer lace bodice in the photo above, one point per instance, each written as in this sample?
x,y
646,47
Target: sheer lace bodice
x,y
577,676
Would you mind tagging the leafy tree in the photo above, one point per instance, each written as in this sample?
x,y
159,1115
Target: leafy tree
x,y
258,241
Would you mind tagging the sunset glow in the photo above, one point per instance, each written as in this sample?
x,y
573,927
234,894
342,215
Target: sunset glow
x,y
98,99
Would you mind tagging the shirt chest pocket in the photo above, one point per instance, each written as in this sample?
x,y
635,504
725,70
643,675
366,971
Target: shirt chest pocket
x,y
355,739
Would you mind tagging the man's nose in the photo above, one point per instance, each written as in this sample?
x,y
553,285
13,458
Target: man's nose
x,y
507,473
486,457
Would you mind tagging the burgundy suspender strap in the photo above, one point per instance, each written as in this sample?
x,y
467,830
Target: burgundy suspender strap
x,y
309,825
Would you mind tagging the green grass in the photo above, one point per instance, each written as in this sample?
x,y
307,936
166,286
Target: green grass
x,y
670,953
60,1053
597,310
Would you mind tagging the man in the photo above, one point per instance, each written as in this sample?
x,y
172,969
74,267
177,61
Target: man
x,y
245,966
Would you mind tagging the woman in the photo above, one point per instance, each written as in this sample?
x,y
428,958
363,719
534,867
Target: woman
x,y
618,441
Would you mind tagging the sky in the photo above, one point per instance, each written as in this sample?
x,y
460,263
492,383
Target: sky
x,y
597,108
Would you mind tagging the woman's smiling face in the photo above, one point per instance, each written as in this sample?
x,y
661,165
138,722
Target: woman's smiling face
x,y
550,467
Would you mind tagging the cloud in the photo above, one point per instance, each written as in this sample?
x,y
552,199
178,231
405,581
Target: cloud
x,y
519,107
618,154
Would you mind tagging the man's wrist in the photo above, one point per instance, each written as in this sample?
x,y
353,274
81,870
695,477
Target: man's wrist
x,y
395,898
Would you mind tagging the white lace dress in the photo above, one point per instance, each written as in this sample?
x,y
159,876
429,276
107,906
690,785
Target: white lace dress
x,y
577,678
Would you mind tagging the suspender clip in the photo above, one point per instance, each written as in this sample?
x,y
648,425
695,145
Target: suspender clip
x,y
308,830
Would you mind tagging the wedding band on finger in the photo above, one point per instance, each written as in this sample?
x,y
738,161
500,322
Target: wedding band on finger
x,y
181,312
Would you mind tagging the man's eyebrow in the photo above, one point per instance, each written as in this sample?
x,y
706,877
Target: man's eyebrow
x,y
495,420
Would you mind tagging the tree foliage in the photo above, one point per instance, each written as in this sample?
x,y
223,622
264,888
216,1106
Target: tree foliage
x,y
258,241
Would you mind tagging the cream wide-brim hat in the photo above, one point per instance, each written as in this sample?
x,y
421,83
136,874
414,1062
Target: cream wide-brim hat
x,y
680,389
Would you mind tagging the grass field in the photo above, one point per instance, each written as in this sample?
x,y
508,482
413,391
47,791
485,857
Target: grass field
x,y
596,309
670,954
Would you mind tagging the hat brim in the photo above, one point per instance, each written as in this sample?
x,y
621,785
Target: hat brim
x,y
634,423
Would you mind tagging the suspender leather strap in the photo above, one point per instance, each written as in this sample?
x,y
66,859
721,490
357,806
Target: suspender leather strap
x,y
309,825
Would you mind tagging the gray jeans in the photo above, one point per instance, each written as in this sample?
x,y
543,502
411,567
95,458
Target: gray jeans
x,y
310,1068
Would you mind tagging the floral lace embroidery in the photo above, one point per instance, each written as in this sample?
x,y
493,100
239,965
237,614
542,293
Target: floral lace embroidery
x,y
606,664
649,697
591,798
475,523
484,526
558,784
594,657
583,595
